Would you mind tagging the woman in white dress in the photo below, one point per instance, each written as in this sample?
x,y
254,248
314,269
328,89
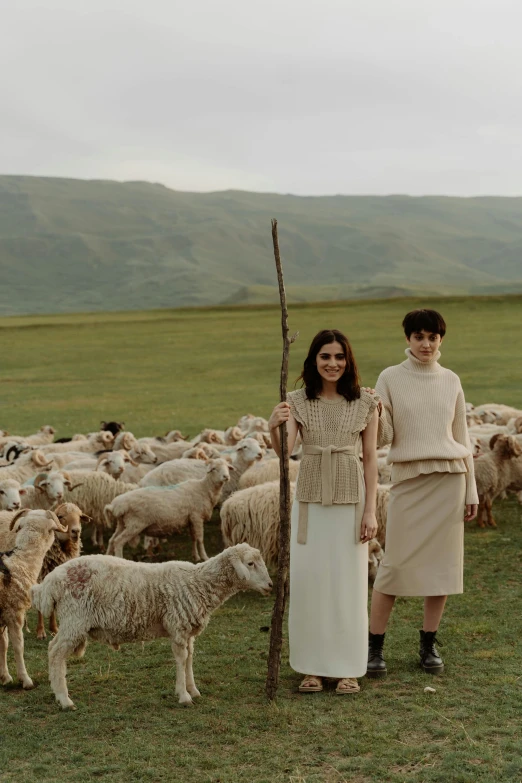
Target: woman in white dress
x,y
333,515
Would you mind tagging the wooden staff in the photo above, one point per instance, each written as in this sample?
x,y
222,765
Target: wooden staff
x,y
276,634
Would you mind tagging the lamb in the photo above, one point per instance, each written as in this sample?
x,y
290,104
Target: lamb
x,y
159,512
66,546
124,440
267,470
10,495
28,464
173,599
96,441
33,534
92,491
495,473
252,515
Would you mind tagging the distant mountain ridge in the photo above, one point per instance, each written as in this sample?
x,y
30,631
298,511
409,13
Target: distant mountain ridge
x,y
78,245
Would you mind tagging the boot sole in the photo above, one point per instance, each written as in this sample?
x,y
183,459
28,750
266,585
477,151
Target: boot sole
x,y
374,675
433,669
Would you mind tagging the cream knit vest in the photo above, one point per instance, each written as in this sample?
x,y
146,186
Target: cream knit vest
x,y
425,421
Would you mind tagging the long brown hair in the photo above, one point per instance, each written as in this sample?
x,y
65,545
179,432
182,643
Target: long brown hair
x,y
348,384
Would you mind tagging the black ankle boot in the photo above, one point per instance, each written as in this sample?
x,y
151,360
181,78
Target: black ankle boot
x,y
430,659
376,663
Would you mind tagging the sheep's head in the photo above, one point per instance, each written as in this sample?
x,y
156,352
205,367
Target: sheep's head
x,y
250,450
233,435
505,446
219,470
142,453
68,482
48,430
250,568
173,436
211,436
52,484
196,453
112,426
70,517
9,495
124,440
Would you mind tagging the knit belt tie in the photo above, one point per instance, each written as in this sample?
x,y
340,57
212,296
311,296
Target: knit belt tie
x,y
328,456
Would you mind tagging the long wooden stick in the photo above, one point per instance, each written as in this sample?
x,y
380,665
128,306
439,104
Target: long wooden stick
x,y
276,634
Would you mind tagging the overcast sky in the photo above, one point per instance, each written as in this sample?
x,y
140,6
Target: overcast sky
x,y
293,96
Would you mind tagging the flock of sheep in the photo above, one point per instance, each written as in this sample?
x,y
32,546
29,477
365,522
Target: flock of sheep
x,y
144,490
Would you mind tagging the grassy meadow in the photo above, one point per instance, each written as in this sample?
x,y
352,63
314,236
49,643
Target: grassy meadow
x,y
188,369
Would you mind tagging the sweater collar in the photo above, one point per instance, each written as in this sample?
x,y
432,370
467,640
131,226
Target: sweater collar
x,y
412,363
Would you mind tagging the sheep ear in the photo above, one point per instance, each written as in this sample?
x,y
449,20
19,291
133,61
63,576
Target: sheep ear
x,y
85,518
241,569
17,517
101,463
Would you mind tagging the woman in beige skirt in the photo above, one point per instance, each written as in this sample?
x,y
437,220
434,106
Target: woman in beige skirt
x,y
433,490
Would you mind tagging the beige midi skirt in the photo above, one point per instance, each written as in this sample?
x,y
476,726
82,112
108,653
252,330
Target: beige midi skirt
x,y
424,553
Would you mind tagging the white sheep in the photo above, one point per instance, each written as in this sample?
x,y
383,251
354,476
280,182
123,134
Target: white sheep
x,y
115,601
92,491
10,495
27,465
41,438
242,456
32,533
264,471
159,511
95,441
65,547
47,490
496,471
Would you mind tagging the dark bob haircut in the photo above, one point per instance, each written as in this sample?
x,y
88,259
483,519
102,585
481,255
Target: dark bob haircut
x,y
429,320
348,384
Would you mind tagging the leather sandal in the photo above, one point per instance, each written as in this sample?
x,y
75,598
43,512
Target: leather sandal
x,y
348,685
311,684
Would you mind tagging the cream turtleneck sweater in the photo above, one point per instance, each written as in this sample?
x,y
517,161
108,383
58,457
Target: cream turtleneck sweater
x,y
425,421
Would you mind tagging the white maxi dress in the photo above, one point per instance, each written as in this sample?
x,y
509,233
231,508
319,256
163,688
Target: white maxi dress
x,y
328,612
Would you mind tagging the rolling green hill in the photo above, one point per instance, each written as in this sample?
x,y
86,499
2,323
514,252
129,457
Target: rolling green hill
x,y
75,245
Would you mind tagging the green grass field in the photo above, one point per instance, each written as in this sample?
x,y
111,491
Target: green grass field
x,y
189,369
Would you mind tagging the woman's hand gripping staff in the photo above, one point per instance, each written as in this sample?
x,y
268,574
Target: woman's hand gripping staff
x,y
280,415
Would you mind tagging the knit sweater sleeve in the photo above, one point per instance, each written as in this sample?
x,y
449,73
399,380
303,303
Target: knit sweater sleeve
x,y
385,426
461,435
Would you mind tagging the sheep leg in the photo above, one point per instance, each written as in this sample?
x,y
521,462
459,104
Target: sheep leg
x,y
17,640
40,628
5,677
59,650
489,513
101,542
94,535
196,526
53,625
180,652
191,685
